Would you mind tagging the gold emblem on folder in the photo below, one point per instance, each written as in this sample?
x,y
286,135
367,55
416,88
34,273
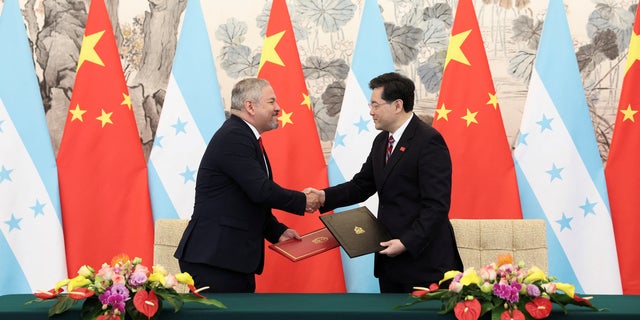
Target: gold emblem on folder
x,y
319,240
358,230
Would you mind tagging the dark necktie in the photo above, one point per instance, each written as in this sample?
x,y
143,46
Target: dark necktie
x,y
389,148
264,155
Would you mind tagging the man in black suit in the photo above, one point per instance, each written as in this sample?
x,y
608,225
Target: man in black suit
x,y
410,168
223,244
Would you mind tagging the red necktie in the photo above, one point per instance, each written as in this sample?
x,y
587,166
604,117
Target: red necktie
x,y
389,148
261,145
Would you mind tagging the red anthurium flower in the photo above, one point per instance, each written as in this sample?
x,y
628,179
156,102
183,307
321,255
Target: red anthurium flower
x,y
512,315
467,310
80,293
44,295
419,293
580,299
197,292
434,287
539,308
146,302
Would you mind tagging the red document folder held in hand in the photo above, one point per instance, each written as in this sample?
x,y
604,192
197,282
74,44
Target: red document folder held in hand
x,y
312,243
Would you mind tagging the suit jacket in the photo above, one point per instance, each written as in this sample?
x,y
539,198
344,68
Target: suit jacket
x,y
414,191
234,196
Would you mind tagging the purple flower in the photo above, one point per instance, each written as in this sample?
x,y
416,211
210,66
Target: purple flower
x,y
115,296
509,292
533,290
137,279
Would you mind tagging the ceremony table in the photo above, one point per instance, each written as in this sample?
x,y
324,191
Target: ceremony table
x,y
318,306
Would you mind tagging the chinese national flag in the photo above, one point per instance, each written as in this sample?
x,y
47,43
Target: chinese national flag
x,y
296,159
102,173
623,169
468,116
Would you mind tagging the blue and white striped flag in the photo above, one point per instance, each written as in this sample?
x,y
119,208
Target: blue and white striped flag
x,y
31,241
560,173
191,113
355,131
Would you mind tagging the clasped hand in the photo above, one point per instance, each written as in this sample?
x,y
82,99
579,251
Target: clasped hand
x,y
315,199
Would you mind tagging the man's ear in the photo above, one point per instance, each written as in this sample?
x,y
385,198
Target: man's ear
x,y
249,106
399,105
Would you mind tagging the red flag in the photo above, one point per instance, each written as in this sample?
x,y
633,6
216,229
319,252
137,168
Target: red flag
x,y
623,169
297,161
104,191
468,116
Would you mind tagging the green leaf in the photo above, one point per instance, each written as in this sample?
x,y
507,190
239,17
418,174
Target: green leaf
x,y
91,308
171,297
211,302
64,303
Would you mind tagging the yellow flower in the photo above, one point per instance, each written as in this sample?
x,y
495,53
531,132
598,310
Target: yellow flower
x,y
78,282
157,277
185,278
449,275
470,276
534,274
61,284
568,289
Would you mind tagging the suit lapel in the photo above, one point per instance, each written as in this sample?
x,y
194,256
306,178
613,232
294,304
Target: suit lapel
x,y
398,151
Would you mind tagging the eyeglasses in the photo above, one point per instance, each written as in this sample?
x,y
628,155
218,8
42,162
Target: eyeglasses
x,y
375,105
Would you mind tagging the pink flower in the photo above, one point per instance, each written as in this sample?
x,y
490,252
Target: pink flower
x,y
455,286
549,287
105,272
141,268
487,273
118,278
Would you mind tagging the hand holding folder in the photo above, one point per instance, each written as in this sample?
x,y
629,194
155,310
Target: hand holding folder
x,y
357,230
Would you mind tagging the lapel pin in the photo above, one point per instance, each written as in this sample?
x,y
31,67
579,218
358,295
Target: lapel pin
x,y
402,149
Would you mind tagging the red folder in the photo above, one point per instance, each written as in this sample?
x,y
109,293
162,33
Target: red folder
x,y
312,243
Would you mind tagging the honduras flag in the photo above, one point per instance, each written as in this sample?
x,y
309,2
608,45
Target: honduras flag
x,y
355,131
31,241
559,170
191,113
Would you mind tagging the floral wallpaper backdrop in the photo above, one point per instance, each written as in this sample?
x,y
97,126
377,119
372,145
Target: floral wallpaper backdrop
x,y
326,30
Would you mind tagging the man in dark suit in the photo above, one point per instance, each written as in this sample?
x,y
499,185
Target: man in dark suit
x,y
223,244
410,168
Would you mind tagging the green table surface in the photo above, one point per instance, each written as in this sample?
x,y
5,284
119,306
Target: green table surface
x,y
318,306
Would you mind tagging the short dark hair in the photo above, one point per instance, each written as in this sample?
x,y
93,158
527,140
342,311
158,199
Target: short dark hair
x,y
395,86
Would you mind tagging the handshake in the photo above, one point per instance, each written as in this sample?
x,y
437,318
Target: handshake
x,y
315,199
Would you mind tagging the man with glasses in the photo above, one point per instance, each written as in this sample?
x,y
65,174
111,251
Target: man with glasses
x,y
409,166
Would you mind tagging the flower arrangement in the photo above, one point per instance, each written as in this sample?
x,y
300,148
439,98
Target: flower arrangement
x,y
121,288
505,290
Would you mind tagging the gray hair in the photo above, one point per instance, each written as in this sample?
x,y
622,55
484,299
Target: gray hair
x,y
250,88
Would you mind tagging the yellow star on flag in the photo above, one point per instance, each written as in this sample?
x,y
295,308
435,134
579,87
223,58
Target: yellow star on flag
x,y
105,118
285,118
126,100
443,113
269,52
306,101
634,51
77,113
493,100
455,49
88,50
629,114
470,117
